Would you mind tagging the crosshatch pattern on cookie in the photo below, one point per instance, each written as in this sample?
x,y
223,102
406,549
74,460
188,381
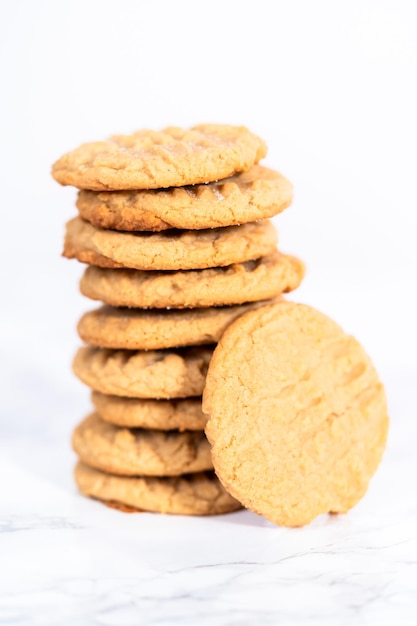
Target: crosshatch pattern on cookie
x,y
262,279
257,194
150,159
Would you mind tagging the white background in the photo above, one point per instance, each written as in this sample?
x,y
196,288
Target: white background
x,y
331,86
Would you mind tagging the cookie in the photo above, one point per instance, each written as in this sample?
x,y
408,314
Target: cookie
x,y
149,159
265,278
157,414
190,494
298,418
169,250
124,508
254,195
155,329
138,451
140,374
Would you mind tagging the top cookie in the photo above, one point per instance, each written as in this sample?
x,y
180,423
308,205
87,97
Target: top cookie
x,y
248,196
148,159
298,418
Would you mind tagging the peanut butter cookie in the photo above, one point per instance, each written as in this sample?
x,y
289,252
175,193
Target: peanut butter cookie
x,y
169,250
140,374
157,414
256,194
262,279
155,329
298,417
138,451
149,159
190,494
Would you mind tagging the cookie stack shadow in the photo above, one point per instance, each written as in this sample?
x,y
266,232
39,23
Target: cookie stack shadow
x,y
172,267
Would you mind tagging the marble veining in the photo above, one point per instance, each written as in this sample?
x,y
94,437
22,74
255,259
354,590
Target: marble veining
x,y
70,561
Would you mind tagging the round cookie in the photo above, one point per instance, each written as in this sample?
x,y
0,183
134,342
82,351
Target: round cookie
x,y
141,374
133,452
170,250
155,329
298,418
149,159
265,278
191,494
179,415
254,195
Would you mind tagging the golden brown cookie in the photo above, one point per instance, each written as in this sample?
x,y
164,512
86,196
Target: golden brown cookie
x,y
190,494
138,451
157,414
169,250
140,374
256,194
149,159
265,278
155,329
298,418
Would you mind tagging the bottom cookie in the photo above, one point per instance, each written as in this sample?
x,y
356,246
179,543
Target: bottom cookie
x,y
190,494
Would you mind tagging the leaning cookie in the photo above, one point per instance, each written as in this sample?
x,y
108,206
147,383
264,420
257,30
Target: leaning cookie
x,y
155,329
170,250
262,279
143,374
254,195
190,494
297,414
149,159
180,414
133,452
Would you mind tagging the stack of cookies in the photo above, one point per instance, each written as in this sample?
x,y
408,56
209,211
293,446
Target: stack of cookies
x,y
174,228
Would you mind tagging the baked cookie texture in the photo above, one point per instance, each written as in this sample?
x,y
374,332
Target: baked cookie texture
x,y
262,279
182,414
190,494
140,374
149,159
133,452
156,329
169,250
174,228
298,416
248,196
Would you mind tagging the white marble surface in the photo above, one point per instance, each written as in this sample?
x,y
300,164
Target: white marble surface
x,y
70,561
